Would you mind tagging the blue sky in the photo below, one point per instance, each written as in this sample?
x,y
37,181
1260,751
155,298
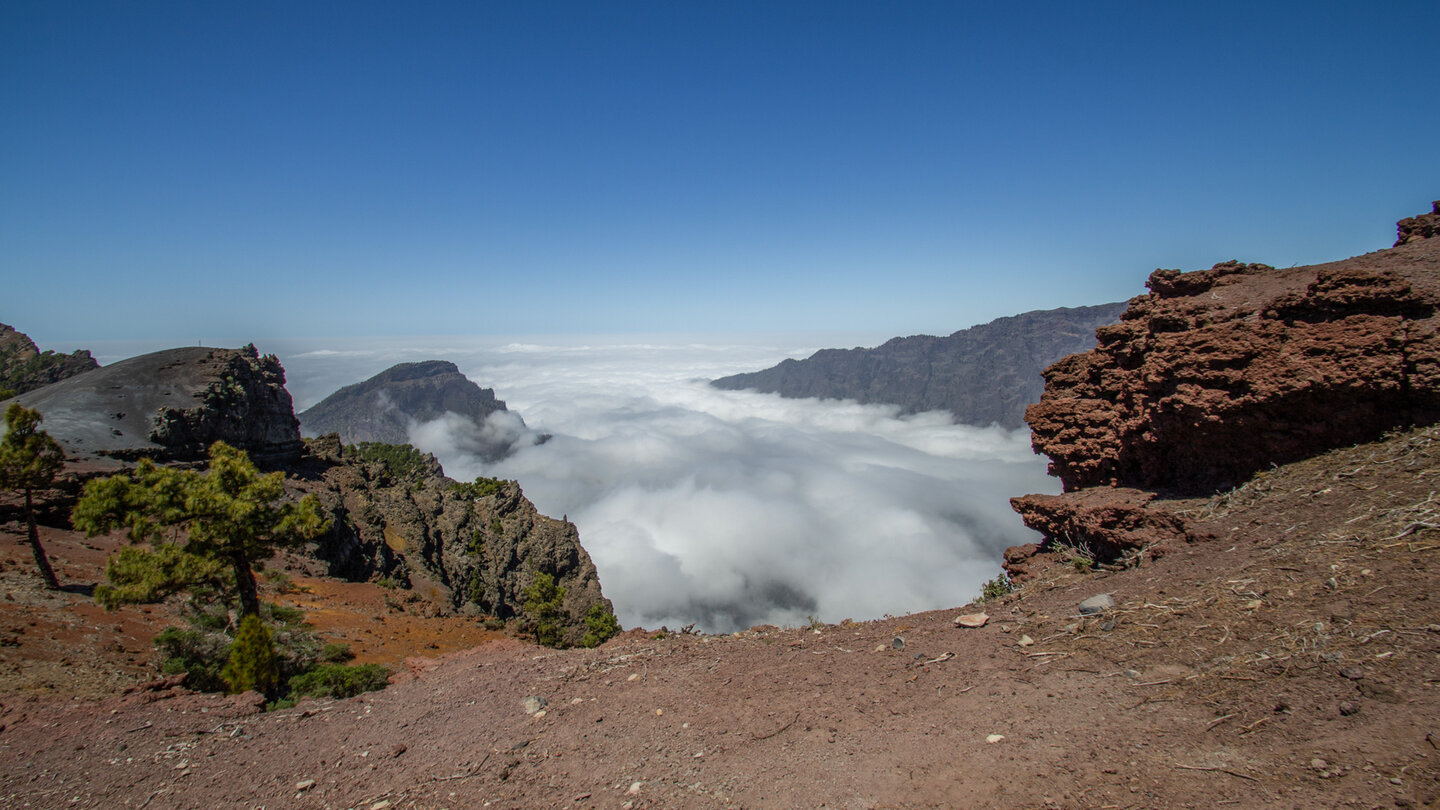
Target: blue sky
x,y
241,171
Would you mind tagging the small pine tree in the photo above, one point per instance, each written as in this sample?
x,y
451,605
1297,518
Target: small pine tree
x,y
29,460
600,625
543,601
253,663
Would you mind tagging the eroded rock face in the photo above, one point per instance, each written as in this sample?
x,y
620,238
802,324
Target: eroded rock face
x,y
23,367
1222,372
459,551
1217,374
172,405
1104,522
1424,226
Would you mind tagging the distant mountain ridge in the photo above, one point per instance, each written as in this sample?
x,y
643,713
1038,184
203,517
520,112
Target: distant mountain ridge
x,y
982,375
383,408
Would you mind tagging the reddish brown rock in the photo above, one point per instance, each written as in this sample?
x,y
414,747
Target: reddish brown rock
x,y
1219,373
1107,522
1424,226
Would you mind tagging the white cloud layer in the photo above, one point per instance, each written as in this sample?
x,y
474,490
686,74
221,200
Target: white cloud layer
x,y
724,508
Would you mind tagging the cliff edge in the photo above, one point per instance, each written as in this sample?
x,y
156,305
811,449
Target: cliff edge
x,y
1218,374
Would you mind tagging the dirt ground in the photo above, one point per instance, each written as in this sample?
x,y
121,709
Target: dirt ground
x,y
1293,662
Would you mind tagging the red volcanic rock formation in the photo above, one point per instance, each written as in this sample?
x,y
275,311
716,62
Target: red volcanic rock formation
x,y
1222,372
1424,226
1217,374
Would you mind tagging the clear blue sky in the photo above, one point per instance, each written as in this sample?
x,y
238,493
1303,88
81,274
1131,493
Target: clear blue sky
x,y
234,171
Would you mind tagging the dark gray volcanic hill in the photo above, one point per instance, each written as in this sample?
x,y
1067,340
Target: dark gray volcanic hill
x,y
171,405
382,408
985,374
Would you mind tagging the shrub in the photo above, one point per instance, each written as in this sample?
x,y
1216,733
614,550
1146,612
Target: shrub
x,y
401,461
200,654
252,660
336,653
600,625
479,489
339,681
543,600
996,588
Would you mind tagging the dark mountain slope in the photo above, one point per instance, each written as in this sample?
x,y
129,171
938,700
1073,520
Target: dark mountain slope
x,y
382,408
984,374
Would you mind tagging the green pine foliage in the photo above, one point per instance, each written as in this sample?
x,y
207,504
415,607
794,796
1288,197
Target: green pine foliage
x,y
600,625
543,604
482,487
253,664
401,461
229,514
29,460
140,576
339,681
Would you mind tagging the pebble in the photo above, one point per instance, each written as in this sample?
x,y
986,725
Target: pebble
x,y
634,677
1319,764
533,704
305,784
1254,604
1025,641
994,738
1352,673
1099,603
1347,708
897,643
972,620
634,788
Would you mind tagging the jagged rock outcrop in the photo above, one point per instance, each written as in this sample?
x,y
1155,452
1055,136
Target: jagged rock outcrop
x,y
383,408
467,547
982,375
1423,226
171,405
23,367
1220,373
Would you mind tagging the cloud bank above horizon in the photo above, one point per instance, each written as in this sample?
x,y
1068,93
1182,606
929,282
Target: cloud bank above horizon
x,y
726,509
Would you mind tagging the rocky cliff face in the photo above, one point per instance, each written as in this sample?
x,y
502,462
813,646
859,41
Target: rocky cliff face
x,y
23,367
171,405
382,409
1218,374
469,548
1422,226
985,374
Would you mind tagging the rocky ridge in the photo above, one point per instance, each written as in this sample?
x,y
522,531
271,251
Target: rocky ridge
x,y
23,367
172,405
982,375
467,548
382,409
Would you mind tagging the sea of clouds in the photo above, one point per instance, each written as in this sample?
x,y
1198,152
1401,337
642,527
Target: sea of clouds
x,y
723,509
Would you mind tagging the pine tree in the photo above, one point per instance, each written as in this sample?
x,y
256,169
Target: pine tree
x,y
253,664
231,514
29,460
543,601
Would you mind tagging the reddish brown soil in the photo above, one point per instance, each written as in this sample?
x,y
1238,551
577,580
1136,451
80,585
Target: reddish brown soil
x,y
381,625
1292,662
